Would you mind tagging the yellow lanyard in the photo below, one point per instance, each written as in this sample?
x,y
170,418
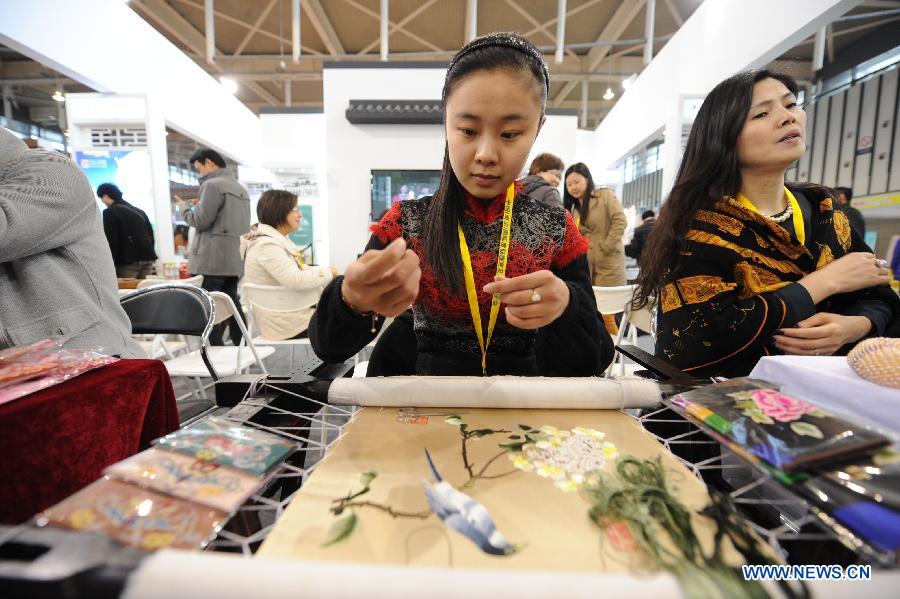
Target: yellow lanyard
x,y
502,255
799,229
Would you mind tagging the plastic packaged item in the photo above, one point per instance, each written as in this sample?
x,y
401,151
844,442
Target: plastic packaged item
x,y
24,370
783,431
218,440
136,517
209,483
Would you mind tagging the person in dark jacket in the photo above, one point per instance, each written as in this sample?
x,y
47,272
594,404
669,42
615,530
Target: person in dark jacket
x,y
641,232
543,179
129,233
844,196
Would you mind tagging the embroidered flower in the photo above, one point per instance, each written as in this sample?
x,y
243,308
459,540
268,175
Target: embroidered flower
x,y
780,407
569,458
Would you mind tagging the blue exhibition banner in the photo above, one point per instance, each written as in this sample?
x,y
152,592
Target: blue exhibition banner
x,y
127,169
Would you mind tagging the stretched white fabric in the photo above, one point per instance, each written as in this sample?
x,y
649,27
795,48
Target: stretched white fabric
x,y
171,573
585,393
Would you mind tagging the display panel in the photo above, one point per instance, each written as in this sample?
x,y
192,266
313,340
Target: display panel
x,y
390,187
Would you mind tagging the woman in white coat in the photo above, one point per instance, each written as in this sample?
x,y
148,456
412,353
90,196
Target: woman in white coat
x,y
270,258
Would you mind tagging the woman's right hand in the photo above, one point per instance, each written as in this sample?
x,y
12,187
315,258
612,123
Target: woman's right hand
x,y
383,281
855,271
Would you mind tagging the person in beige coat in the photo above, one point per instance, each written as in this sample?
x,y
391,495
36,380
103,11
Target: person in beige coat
x,y
270,258
602,220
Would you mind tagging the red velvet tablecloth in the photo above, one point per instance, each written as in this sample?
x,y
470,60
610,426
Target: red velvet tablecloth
x,y
58,440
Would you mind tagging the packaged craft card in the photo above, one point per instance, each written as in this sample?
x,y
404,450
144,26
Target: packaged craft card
x,y
218,440
782,431
187,477
136,517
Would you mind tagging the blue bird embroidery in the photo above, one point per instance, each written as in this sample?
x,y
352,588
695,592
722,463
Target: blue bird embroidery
x,y
465,515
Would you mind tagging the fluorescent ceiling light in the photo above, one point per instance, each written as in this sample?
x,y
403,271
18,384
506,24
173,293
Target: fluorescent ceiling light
x,y
230,85
58,96
609,95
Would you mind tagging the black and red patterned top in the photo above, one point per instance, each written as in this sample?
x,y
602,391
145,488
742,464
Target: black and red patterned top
x,y
440,338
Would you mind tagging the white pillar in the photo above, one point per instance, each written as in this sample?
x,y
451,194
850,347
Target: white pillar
x,y
159,169
471,20
648,31
7,105
210,32
819,51
295,30
560,30
584,103
384,30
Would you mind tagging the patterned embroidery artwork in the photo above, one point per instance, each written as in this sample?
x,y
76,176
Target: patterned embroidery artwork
x,y
780,430
187,477
513,489
136,517
218,440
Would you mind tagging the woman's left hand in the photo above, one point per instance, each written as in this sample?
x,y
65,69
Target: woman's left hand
x,y
822,334
533,300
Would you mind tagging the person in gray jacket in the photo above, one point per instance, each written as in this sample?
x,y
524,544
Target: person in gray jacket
x,y
221,215
543,179
57,277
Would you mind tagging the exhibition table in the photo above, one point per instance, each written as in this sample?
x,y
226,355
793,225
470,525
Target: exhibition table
x,y
58,440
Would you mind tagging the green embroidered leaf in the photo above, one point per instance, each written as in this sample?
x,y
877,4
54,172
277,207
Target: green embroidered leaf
x,y
806,429
483,432
511,447
746,405
367,477
341,529
820,413
524,427
515,437
741,396
757,415
453,419
463,427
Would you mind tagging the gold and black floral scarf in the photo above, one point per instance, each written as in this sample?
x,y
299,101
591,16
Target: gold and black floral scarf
x,y
720,306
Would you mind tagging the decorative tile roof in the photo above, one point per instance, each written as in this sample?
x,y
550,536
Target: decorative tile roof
x,y
395,112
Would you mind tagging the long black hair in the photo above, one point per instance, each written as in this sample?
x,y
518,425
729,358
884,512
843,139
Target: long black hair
x,y
583,204
494,52
709,171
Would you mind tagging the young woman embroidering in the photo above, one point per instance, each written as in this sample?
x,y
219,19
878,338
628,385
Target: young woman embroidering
x,y
744,266
498,282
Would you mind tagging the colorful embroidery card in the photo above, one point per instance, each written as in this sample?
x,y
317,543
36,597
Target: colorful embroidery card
x,y
783,431
177,474
218,440
136,517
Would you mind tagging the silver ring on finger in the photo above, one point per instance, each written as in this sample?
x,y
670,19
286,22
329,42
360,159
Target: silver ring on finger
x,y
535,296
881,263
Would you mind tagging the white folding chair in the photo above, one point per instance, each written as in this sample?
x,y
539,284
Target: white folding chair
x,y
613,300
278,299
